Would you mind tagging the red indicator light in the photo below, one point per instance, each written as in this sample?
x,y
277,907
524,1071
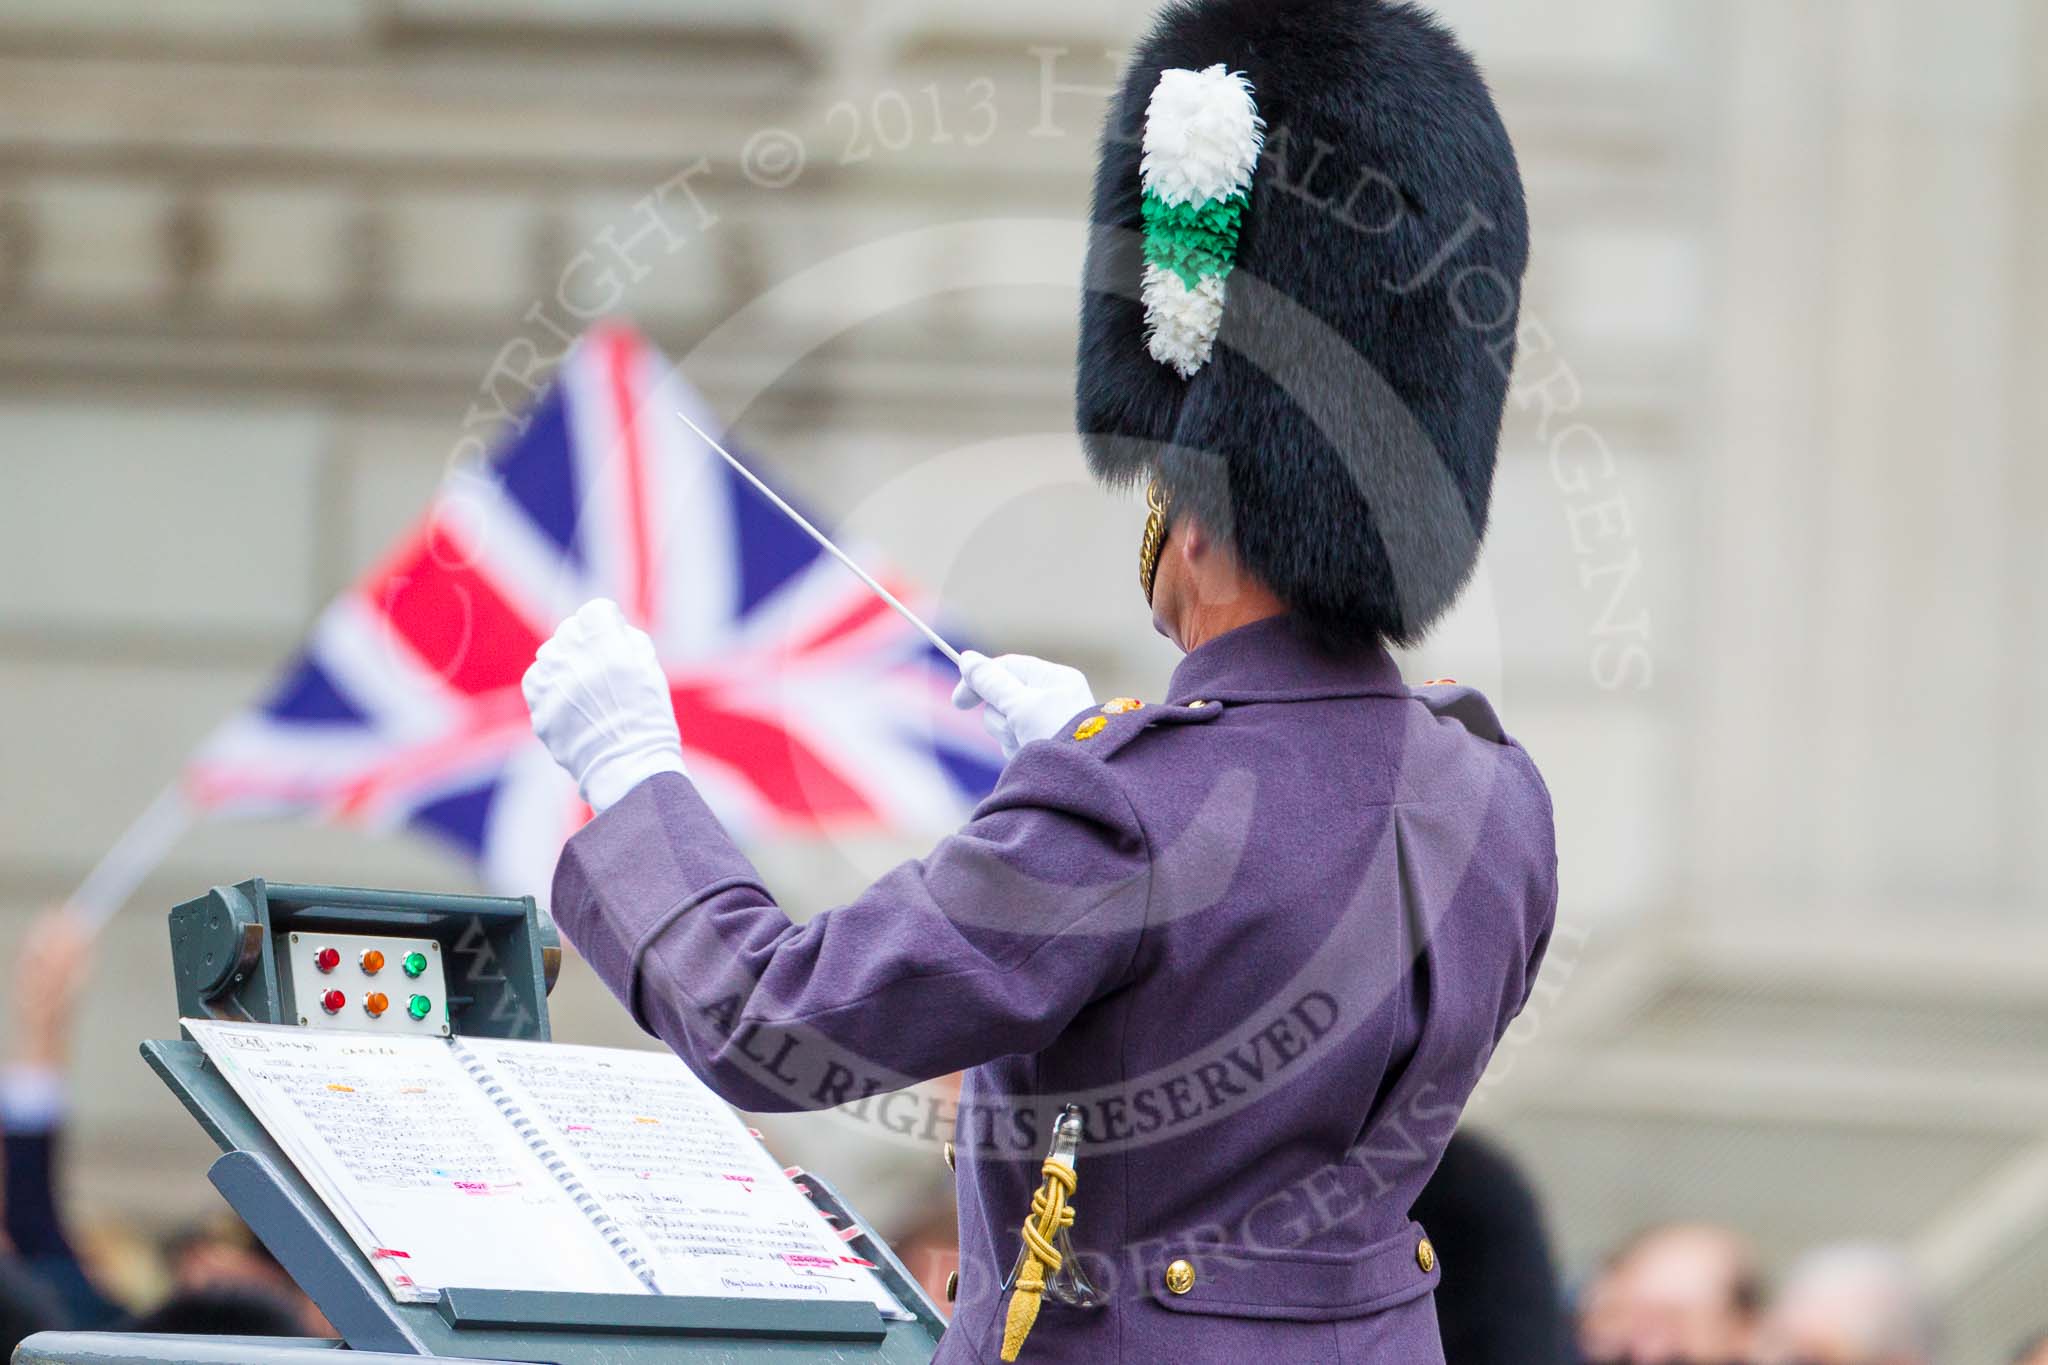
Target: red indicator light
x,y
327,959
333,1001
372,961
375,1003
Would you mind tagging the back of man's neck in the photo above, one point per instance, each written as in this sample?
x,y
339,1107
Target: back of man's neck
x,y
1208,622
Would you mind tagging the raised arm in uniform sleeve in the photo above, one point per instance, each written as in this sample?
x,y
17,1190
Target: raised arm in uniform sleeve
x,y
986,948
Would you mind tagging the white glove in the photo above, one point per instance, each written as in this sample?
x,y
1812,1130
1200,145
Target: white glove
x,y
1026,699
601,704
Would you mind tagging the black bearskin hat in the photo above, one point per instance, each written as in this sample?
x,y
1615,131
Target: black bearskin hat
x,y
1338,423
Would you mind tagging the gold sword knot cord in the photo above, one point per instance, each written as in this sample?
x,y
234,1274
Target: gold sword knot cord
x,y
1050,1212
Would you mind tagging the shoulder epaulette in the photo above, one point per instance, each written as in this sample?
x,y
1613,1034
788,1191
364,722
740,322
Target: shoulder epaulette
x,y
1466,705
1116,723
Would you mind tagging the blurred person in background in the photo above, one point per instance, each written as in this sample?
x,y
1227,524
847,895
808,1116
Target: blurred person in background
x,y
54,960
1854,1304
931,1252
225,1311
2035,1352
222,1280
219,1270
1499,1303
27,1306
1677,1294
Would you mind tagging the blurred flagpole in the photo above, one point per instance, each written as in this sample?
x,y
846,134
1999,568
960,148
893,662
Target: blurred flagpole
x,y
133,857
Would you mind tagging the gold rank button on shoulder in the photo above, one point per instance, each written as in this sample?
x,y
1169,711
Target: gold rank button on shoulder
x,y
1197,705
1425,1255
1180,1277
952,1158
1091,727
953,1287
1123,706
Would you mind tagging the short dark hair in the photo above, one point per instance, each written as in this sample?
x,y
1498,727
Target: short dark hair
x,y
237,1312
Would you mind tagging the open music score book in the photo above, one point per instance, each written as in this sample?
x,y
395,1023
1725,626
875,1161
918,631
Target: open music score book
x,y
482,1163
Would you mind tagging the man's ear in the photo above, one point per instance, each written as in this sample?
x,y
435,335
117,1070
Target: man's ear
x,y
1194,540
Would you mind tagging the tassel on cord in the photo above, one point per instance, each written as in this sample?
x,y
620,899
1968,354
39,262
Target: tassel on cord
x,y
1046,1263
1051,1213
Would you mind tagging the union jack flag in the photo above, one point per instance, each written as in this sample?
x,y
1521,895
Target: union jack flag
x,y
805,704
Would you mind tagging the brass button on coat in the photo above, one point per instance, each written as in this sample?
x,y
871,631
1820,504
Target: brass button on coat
x,y
951,1158
953,1287
1425,1255
1180,1277
1091,727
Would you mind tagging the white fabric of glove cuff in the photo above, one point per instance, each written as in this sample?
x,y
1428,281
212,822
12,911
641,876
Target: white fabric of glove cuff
x,y
1024,699
32,1099
600,703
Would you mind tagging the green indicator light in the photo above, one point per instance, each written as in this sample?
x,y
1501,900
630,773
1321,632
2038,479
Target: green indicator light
x,y
414,964
419,1007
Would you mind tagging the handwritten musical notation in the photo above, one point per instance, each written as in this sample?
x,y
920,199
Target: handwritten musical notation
x,y
670,1160
389,1124
413,1161
494,1164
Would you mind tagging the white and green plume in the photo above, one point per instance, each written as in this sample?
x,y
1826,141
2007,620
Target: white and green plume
x,y
1203,135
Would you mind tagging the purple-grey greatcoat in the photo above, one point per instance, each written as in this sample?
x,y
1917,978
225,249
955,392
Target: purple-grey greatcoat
x,y
1266,934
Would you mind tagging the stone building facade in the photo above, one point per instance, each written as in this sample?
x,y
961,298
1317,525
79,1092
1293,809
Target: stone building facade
x,y
1765,587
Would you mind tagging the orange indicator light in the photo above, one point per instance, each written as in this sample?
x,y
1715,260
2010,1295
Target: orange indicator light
x,y
372,961
375,1003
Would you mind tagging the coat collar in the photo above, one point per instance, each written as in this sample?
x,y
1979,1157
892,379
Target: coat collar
x,y
1270,661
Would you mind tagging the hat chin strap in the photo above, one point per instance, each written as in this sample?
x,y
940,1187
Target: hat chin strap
x,y
1157,501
